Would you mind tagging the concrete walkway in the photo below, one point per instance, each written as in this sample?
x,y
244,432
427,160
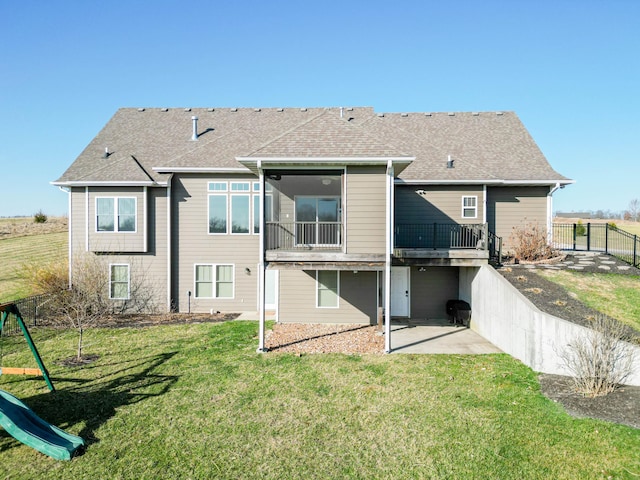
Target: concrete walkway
x,y
438,337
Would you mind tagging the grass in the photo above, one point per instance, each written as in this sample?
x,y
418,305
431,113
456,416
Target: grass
x,y
611,294
196,401
18,251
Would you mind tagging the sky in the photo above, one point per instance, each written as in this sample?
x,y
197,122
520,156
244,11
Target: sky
x,y
570,69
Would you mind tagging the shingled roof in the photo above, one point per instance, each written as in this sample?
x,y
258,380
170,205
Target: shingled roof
x,y
145,145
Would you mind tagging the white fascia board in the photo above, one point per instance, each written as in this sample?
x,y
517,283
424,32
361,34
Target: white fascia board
x,y
106,184
483,182
446,182
341,160
201,170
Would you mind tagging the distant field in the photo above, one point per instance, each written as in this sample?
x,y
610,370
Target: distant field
x,y
17,251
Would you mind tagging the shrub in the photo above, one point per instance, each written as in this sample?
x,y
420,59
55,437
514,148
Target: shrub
x,y
612,226
581,230
529,242
40,217
601,359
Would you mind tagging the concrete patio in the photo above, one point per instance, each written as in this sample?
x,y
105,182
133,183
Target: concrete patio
x,y
437,336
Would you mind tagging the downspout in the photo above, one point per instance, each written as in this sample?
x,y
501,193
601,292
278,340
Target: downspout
x,y
145,219
261,266
169,278
70,236
86,219
550,213
387,269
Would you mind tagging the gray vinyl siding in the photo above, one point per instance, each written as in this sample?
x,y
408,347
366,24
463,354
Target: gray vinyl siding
x,y
115,241
366,209
77,220
508,207
430,291
438,204
192,244
150,267
357,303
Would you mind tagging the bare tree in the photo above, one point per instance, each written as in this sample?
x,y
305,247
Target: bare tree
x,y
601,359
634,209
90,299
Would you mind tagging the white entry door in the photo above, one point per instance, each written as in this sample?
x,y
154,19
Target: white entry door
x,y
271,289
399,292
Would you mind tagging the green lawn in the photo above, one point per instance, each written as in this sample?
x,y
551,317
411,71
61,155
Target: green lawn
x,y
17,251
615,295
196,401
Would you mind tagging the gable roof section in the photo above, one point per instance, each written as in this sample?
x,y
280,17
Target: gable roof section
x,y
484,146
147,144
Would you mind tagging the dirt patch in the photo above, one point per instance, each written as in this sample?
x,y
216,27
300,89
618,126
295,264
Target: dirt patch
x,y
74,361
309,338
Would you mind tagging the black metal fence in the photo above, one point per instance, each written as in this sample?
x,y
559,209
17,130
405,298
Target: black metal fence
x,y
598,237
32,309
441,235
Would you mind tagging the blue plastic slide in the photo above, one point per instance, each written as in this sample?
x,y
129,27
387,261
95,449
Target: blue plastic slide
x,y
25,426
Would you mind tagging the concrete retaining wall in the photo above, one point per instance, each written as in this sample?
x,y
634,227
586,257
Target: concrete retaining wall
x,y
506,318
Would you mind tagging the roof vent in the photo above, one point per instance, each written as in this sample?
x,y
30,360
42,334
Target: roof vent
x,y
256,109
195,128
350,109
427,114
381,115
234,109
280,110
303,109
106,152
141,109
164,110
187,109
404,114
211,109
452,114
499,113
475,114
449,162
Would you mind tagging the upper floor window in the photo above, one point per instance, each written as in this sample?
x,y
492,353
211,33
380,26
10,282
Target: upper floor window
x,y
470,207
116,214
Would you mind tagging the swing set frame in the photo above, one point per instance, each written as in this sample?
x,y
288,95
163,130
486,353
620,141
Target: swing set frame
x,y
11,308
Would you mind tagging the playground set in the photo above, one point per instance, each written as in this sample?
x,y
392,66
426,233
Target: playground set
x,y
19,420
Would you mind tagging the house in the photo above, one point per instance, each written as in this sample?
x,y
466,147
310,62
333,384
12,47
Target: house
x,y
316,214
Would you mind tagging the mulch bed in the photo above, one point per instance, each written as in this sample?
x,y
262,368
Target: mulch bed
x,y
623,405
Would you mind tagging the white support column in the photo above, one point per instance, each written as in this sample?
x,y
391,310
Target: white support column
x,y
261,266
387,270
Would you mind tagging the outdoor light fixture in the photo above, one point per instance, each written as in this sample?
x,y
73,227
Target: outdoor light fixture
x,y
247,270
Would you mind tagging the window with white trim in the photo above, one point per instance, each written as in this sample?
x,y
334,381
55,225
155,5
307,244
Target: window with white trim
x,y
240,214
214,281
470,207
218,213
327,288
116,214
119,281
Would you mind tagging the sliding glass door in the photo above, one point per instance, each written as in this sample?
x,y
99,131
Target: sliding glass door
x,y
318,220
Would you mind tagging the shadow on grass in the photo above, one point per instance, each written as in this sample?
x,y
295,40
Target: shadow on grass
x,y
93,402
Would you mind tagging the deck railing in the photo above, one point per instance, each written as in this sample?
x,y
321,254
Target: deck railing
x,y
441,235
598,237
303,235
